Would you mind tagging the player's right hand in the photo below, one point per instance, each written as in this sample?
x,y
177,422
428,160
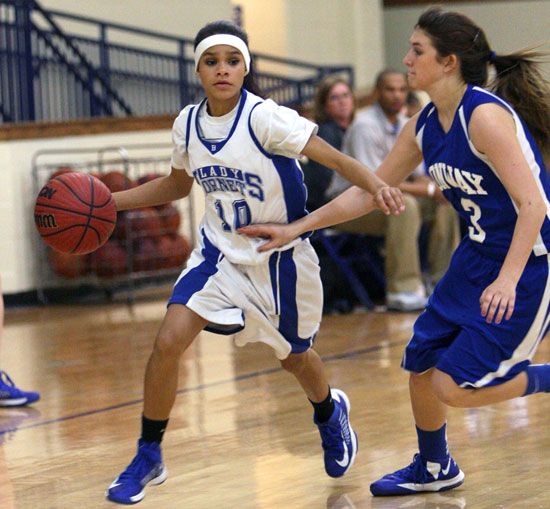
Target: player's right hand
x,y
497,299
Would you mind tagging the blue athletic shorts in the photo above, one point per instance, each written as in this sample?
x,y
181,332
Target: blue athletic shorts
x,y
452,335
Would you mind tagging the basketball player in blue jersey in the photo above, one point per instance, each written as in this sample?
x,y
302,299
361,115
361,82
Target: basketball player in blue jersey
x,y
242,150
473,344
10,395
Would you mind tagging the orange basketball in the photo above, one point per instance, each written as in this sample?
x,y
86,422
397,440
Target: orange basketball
x,y
174,250
66,265
145,255
62,170
75,213
170,219
182,249
148,178
144,222
117,181
110,260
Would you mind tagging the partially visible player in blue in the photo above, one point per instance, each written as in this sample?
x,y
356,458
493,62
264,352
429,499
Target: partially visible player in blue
x,y
10,395
473,344
242,150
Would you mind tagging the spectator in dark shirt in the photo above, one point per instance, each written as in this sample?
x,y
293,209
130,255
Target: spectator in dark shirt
x,y
333,111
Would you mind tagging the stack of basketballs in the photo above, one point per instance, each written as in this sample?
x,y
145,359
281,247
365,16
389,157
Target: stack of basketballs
x,y
143,240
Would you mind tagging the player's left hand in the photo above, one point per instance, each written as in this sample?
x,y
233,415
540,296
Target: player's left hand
x,y
497,299
389,199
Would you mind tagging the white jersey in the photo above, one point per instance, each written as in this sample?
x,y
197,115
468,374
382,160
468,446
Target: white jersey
x,y
246,164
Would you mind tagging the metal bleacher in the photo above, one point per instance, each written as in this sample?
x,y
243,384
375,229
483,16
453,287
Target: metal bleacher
x,y
57,66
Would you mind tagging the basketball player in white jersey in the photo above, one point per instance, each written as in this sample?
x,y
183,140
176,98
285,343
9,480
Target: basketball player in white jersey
x,y
473,344
242,150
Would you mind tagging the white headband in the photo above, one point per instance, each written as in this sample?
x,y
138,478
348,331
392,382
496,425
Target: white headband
x,y
229,40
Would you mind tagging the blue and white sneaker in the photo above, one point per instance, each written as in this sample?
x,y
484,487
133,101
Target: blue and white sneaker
x,y
146,468
420,476
338,438
11,395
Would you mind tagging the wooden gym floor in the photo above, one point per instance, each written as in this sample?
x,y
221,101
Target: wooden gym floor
x,y
241,433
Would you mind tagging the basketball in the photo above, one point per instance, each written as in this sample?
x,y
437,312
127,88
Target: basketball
x,y
75,213
110,260
67,265
62,170
170,219
148,178
182,249
116,181
144,222
120,226
174,250
145,255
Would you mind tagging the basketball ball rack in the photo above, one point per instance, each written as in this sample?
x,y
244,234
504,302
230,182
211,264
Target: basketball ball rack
x,y
149,247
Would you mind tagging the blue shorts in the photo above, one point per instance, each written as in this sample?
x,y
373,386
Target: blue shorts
x,y
452,336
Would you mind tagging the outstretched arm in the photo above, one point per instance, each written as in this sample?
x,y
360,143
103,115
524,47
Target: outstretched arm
x,y
354,202
172,187
388,199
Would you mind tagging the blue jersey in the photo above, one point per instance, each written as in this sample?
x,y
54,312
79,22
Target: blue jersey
x,y
469,180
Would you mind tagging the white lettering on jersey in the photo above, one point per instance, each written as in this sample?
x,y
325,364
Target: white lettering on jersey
x,y
229,180
447,177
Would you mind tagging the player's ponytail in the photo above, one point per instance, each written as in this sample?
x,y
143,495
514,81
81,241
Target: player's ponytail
x,y
517,79
226,27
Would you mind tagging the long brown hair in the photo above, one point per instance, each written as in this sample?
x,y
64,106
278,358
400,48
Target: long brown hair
x,y
321,96
517,77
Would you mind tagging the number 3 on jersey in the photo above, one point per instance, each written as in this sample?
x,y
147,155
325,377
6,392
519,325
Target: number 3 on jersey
x,y
241,214
475,231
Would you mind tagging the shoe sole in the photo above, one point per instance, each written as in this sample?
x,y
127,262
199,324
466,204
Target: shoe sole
x,y
436,486
342,396
21,401
13,402
159,479
402,308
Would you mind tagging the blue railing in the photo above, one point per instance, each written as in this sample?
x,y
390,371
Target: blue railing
x,y
47,73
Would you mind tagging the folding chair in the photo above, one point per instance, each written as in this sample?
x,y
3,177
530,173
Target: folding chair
x,y
348,250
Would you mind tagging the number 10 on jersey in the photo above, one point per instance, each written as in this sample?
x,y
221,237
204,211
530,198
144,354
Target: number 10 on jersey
x,y
241,214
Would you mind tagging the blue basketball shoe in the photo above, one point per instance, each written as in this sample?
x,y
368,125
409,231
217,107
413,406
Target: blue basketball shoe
x,y
146,468
11,395
420,476
338,438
